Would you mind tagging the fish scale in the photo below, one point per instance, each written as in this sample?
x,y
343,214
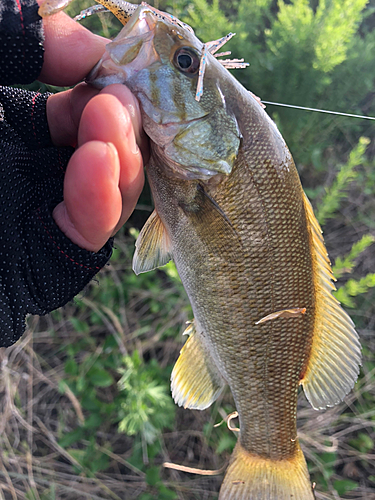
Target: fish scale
x,y
244,334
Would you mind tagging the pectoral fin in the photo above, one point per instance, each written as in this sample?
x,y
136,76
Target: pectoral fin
x,y
210,219
195,381
335,357
152,246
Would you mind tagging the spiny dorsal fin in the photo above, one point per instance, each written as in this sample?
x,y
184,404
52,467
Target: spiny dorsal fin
x,y
195,381
335,356
152,248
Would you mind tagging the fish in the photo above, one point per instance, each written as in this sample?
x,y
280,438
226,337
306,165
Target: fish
x,y
231,213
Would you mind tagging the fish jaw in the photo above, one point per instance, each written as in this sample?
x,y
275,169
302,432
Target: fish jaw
x,y
130,52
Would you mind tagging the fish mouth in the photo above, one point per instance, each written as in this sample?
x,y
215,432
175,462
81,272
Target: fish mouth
x,y
130,52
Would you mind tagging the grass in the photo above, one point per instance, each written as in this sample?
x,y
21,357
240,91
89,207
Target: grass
x,y
62,430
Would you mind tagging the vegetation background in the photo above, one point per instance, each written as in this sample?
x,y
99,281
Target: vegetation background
x,y
85,408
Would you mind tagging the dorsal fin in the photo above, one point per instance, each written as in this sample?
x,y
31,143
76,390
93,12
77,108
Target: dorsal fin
x,y
335,357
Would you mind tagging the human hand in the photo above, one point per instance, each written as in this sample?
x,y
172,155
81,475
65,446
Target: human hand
x,y
104,176
41,267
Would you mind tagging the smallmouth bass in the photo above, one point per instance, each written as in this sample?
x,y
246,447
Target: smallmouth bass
x,y
230,211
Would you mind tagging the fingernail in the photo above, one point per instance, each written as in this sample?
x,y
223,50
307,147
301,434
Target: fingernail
x,y
115,162
134,131
135,115
133,145
112,148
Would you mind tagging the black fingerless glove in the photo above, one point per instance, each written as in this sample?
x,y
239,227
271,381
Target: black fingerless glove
x,y
21,42
40,269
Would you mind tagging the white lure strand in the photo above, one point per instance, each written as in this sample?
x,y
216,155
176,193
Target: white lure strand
x,y
212,48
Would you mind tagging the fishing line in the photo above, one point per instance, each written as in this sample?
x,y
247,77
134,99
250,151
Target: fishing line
x,y
212,47
319,110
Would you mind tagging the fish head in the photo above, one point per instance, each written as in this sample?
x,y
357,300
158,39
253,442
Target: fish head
x,y
159,61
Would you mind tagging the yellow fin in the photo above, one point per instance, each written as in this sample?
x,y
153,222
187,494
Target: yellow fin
x,y
152,246
335,357
252,477
195,381
285,313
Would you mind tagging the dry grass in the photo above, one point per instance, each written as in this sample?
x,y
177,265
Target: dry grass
x,y
37,408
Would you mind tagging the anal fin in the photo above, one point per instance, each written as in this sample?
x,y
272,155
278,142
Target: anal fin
x,y
335,356
195,381
152,246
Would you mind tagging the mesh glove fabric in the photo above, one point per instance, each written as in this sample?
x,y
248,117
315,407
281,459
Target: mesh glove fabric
x,y
40,268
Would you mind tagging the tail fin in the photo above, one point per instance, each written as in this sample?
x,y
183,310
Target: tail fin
x,y
250,477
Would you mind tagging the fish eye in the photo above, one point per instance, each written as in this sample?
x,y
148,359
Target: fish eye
x,y
186,60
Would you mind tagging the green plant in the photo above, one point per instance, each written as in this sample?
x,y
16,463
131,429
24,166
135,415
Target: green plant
x,y
345,175
146,406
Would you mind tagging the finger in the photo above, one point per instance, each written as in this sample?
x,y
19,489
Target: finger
x,y
92,200
131,104
64,111
115,126
71,50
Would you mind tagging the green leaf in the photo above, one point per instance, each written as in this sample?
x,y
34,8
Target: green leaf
x,y
329,460
79,325
166,494
338,21
343,486
79,455
227,442
93,421
100,377
346,264
353,288
171,271
31,495
362,443
146,405
153,476
147,496
71,437
71,367
208,19
81,384
89,401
